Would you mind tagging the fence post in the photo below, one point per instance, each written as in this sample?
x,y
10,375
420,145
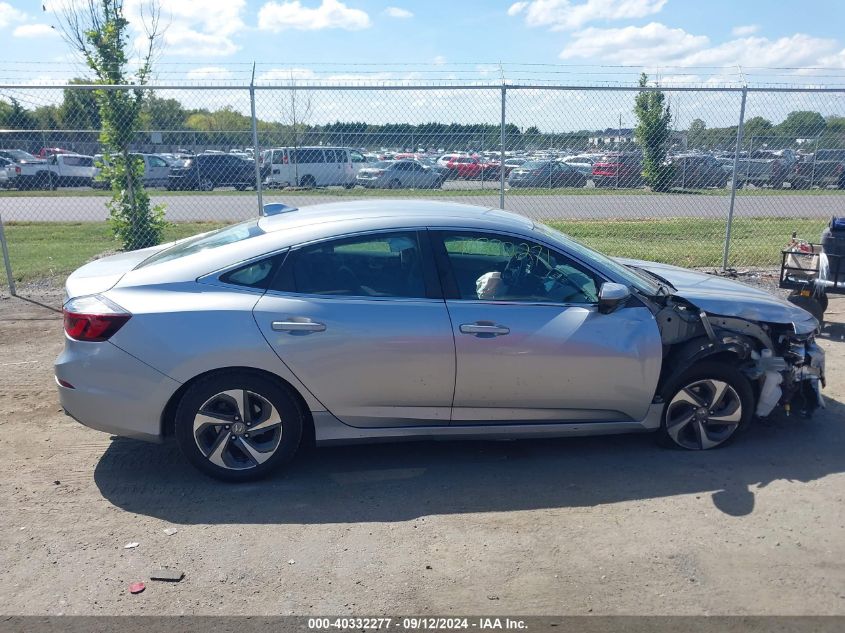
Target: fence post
x,y
739,131
256,150
502,153
9,277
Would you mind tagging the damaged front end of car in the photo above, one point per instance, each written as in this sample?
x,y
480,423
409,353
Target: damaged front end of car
x,y
781,359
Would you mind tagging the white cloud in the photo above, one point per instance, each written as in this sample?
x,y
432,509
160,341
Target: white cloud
x,y
196,29
398,12
652,43
440,60
517,8
658,45
793,51
559,15
34,30
330,14
745,31
10,15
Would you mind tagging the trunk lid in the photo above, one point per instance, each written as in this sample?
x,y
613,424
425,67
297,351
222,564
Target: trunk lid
x,y
102,274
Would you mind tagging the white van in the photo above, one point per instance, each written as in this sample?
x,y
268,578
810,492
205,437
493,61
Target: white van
x,y
311,166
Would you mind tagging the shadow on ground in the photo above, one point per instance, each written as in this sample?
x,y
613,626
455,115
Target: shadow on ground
x,y
396,482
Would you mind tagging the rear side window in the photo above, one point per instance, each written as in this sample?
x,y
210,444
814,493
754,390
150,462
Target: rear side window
x,y
256,274
383,265
305,156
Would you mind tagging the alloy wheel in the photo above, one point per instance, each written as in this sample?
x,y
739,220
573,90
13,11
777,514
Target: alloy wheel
x,y
703,414
237,429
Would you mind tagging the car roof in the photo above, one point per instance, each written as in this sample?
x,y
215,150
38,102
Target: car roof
x,y
326,221
393,212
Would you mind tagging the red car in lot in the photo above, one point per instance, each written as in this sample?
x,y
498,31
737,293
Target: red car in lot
x,y
472,168
618,170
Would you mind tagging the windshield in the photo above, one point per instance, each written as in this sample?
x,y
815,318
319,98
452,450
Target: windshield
x,y
535,164
629,276
382,164
220,237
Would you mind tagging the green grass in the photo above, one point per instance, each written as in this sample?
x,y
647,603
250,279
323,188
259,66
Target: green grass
x,y
41,250
691,241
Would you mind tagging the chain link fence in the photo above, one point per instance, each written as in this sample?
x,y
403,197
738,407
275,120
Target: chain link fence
x,y
739,169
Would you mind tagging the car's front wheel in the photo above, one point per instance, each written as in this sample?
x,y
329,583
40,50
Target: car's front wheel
x,y
706,406
238,426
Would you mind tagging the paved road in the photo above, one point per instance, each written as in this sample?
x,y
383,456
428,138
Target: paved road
x,y
216,207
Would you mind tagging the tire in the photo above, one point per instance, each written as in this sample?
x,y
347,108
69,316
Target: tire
x,y
308,182
239,459
394,184
45,180
690,396
241,186
811,304
349,185
206,184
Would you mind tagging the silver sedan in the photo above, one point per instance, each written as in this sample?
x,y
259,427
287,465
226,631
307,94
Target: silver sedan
x,y
391,320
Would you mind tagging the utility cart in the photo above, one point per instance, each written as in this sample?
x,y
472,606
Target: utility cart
x,y
812,271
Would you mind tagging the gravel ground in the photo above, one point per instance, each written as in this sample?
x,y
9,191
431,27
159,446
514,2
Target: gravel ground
x,y
592,525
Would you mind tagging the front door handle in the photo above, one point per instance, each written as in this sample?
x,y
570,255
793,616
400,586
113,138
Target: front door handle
x,y
298,326
485,328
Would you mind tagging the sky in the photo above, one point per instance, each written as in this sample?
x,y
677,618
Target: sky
x,y
680,42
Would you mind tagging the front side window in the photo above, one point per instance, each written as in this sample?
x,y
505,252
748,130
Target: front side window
x,y
493,267
357,157
383,265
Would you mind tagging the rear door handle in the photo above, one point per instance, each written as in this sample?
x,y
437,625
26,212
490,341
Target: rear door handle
x,y
484,328
298,326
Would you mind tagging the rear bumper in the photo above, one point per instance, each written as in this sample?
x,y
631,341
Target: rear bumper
x,y
113,391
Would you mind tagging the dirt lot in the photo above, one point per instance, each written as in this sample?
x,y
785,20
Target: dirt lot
x,y
598,525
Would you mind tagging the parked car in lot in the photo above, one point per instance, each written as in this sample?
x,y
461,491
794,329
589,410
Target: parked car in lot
x,y
395,320
28,171
7,173
156,170
618,171
311,166
766,168
472,168
70,170
47,152
400,174
824,168
207,171
59,170
547,174
583,164
697,171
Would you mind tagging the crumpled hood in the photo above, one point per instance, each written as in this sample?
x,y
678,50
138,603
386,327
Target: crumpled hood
x,y
726,297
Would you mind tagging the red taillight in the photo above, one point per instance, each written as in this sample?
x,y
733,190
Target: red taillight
x,y
93,319
17,170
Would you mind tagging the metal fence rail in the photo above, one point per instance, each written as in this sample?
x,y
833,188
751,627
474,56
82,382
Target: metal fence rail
x,y
745,165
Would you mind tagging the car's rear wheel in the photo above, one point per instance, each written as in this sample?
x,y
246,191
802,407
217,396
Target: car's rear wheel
x,y
238,426
206,184
706,406
395,184
308,182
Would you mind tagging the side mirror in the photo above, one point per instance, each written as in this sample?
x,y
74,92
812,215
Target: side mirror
x,y
611,296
